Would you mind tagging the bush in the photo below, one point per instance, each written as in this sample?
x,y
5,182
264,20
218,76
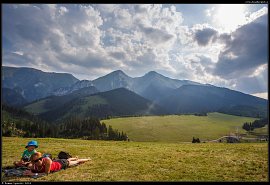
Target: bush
x,y
195,140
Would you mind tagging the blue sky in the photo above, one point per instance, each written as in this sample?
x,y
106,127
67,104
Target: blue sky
x,y
223,45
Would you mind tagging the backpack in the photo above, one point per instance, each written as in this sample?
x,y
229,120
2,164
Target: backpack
x,y
64,155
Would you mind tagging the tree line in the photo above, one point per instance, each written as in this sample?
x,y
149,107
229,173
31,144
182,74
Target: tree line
x,y
17,122
250,126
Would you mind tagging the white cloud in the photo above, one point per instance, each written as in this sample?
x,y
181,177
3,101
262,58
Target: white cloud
x,y
18,53
228,17
63,10
210,11
259,70
92,40
261,95
71,36
245,50
257,14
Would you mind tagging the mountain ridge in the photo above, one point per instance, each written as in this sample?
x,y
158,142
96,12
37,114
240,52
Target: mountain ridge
x,y
118,72
117,102
173,95
190,98
34,84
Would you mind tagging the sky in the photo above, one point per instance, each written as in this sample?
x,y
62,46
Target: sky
x,y
225,45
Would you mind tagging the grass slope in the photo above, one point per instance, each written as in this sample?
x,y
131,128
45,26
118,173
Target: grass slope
x,y
178,128
117,102
82,107
149,161
37,107
52,103
263,130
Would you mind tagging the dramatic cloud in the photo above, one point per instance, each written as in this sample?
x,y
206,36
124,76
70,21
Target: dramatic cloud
x,y
255,83
246,50
179,41
157,36
56,37
203,37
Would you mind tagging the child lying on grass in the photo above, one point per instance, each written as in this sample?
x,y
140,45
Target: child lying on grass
x,y
44,165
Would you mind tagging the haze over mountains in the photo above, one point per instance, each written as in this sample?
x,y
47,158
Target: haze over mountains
x,y
59,95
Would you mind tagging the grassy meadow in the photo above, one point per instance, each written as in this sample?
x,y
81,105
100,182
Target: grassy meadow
x,y
37,107
263,130
178,128
148,161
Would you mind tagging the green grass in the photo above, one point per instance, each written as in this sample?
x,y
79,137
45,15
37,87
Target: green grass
x,y
37,108
257,132
263,130
40,106
148,161
83,106
175,128
90,101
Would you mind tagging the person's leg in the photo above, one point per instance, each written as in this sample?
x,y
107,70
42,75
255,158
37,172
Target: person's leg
x,y
83,160
76,162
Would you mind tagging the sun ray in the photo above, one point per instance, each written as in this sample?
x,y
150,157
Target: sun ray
x,y
229,16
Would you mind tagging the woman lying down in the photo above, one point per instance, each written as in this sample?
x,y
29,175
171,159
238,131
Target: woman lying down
x,y
44,165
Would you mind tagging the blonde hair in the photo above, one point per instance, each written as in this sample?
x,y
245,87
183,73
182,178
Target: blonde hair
x,y
38,154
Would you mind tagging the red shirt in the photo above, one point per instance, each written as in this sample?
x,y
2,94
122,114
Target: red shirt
x,y
55,166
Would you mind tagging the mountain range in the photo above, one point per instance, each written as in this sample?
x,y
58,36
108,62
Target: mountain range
x,y
34,84
117,102
55,96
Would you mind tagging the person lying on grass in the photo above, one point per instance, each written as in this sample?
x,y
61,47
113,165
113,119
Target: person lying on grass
x,y
44,165
25,159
